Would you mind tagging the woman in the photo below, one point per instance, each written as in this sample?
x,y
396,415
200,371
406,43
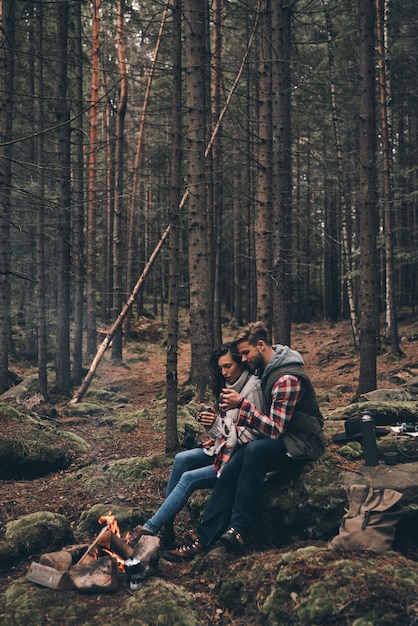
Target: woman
x,y
198,468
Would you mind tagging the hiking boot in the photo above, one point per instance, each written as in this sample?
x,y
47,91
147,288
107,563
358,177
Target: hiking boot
x,y
232,540
167,537
185,552
136,534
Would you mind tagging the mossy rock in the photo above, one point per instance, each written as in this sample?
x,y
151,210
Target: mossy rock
x,y
156,602
127,518
309,589
39,532
31,447
383,413
105,395
87,409
23,603
133,469
159,602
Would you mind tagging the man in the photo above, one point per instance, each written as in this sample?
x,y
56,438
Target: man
x,y
291,430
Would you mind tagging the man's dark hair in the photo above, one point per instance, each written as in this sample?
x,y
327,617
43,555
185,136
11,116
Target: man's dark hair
x,y
253,332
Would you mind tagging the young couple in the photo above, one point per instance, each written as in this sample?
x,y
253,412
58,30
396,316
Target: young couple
x,y
269,432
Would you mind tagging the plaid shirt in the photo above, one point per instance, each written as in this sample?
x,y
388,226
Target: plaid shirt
x,y
244,435
286,393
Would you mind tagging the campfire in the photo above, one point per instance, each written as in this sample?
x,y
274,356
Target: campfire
x,y
101,565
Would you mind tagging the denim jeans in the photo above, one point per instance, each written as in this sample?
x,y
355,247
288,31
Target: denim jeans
x,y
192,469
233,502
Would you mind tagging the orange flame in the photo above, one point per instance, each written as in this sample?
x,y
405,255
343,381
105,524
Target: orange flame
x,y
111,522
112,525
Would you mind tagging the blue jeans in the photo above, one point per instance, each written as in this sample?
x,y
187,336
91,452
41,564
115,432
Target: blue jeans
x,y
192,469
233,501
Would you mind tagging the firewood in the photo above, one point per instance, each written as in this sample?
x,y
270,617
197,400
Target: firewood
x,y
147,553
60,561
49,577
98,575
92,549
118,545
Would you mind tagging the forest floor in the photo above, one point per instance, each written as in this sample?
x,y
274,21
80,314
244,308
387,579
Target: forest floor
x,y
330,359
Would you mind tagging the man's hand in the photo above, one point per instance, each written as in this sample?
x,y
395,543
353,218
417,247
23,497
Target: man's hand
x,y
230,399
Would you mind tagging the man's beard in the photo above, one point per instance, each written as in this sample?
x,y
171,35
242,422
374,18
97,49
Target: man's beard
x,y
256,364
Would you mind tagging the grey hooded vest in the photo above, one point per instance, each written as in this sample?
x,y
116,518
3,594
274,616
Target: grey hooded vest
x,y
303,438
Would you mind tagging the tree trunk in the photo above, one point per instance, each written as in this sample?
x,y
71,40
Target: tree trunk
x,y
344,209
92,190
62,113
264,214
391,321
39,110
132,246
119,187
78,196
201,307
7,39
171,439
367,201
282,172
217,171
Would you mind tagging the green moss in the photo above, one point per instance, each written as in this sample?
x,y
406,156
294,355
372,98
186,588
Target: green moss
x,y
317,587
127,518
388,412
77,443
133,469
39,532
159,602
104,395
86,408
36,448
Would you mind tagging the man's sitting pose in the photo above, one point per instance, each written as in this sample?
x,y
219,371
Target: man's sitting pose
x,y
290,430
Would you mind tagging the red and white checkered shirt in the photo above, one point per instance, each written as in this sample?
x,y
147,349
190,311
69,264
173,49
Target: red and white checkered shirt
x,y
286,393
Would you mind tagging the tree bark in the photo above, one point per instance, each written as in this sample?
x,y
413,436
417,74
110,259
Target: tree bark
x,y
201,307
78,197
282,172
92,185
264,212
119,187
39,111
217,170
384,91
367,207
62,113
132,198
344,208
7,42
171,439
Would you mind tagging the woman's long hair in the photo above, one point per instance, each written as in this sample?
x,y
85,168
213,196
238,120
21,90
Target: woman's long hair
x,y
217,380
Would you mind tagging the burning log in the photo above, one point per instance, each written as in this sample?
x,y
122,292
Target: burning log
x,y
98,575
98,568
109,541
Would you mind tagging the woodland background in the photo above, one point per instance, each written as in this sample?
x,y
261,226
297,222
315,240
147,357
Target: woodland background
x,y
242,159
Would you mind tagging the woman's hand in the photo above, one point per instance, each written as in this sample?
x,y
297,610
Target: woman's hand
x,y
206,416
230,399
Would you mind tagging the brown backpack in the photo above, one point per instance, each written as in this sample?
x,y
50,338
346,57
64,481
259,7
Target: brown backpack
x,y
370,520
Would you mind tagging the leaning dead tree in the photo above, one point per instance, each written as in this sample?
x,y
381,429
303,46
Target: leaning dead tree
x,y
119,320
106,342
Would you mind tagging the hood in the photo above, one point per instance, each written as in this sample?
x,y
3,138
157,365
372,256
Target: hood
x,y
283,355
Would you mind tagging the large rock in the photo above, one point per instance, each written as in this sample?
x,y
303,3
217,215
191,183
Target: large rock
x,y
31,447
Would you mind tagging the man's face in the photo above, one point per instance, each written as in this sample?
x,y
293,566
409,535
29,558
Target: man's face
x,y
251,355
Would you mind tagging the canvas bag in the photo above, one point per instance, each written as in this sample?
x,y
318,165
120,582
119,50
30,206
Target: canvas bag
x,y
370,520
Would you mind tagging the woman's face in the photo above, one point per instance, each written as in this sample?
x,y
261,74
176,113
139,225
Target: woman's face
x,y
230,369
